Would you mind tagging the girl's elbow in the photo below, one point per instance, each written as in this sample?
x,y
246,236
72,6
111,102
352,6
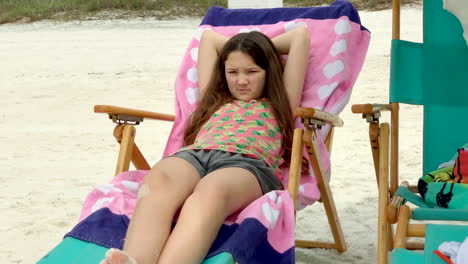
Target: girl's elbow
x,y
301,37
206,35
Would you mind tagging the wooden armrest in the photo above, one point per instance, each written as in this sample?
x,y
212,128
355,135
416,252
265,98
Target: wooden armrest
x,y
369,108
115,110
308,112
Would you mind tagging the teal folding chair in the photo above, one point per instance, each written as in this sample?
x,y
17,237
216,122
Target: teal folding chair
x,y
433,74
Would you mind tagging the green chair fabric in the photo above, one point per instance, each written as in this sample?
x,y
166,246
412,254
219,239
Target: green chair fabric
x,y
406,73
435,235
434,74
403,256
75,251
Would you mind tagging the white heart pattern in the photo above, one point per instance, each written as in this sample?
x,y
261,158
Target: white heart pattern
x,y
301,188
292,25
192,75
270,214
100,203
194,54
192,95
279,200
131,186
338,47
107,188
333,68
326,90
274,197
246,30
342,27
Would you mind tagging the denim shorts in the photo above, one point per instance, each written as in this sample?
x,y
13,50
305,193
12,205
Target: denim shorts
x,y
206,161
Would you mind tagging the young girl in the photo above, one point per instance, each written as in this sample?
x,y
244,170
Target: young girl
x,y
235,142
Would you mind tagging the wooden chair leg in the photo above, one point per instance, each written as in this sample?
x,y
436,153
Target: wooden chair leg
x,y
138,159
333,219
374,143
394,148
390,237
324,187
295,166
402,227
416,230
412,245
382,228
127,133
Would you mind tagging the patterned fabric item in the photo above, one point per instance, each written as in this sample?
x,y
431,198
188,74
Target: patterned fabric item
x,y
263,232
460,171
445,187
248,128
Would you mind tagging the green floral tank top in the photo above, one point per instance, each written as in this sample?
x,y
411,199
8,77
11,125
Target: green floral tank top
x,y
249,128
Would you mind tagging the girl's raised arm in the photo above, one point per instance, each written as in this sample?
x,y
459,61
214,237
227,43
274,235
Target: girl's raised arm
x,y
209,49
295,43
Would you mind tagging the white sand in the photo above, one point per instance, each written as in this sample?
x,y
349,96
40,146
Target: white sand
x,y
54,149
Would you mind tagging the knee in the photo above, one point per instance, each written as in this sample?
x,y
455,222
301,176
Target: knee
x,y
155,182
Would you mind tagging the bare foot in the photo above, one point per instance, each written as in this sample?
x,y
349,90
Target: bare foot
x,y
117,256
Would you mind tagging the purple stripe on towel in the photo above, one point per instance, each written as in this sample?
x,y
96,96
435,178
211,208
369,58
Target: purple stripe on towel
x,y
103,228
242,17
247,241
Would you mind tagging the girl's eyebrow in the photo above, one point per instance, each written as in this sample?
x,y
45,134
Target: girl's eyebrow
x,y
248,67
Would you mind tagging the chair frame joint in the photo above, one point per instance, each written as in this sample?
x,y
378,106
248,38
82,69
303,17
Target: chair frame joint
x,y
125,119
372,117
313,123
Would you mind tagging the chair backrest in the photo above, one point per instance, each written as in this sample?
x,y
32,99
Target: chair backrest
x,y
435,74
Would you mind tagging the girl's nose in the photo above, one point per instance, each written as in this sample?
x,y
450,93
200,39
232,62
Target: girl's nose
x,y
242,80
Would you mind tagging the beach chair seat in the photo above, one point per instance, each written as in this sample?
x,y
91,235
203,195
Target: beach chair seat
x,y
433,74
338,49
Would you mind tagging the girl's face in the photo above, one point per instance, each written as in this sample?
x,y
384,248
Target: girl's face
x,y
245,79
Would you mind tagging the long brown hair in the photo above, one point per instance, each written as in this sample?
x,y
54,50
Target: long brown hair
x,y
261,49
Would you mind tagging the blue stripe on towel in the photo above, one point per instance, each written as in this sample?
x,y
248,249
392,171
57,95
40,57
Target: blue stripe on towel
x,y
247,242
103,228
218,16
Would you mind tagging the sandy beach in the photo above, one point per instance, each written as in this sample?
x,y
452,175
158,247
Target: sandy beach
x,y
55,149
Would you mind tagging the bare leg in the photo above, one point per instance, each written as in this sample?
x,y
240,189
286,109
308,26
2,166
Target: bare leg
x,y
162,193
215,197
